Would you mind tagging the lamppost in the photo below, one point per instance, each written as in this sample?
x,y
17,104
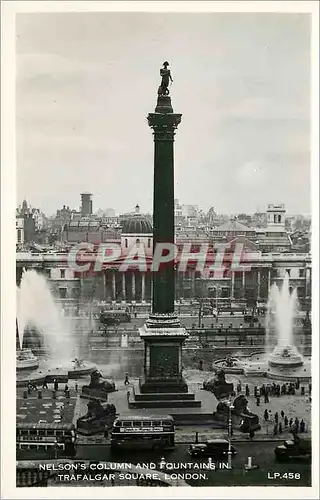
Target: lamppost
x,y
218,289
200,312
231,407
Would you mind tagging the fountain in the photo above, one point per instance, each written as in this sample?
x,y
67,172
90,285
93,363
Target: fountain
x,y
40,321
281,359
281,310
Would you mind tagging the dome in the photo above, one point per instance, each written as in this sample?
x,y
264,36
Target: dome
x,y
137,224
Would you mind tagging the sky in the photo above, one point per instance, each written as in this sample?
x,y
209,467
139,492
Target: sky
x,y
85,83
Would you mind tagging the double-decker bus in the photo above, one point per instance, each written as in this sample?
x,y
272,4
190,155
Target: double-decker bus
x,y
45,440
143,432
114,317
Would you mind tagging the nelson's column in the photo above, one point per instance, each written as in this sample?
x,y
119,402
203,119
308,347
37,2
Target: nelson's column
x,y
162,333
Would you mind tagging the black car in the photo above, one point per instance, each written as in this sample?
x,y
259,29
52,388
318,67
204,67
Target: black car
x,y
215,448
294,450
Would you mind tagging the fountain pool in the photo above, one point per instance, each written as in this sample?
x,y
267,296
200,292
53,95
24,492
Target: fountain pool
x,y
40,314
281,358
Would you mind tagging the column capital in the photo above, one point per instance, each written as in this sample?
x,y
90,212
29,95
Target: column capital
x,y
164,125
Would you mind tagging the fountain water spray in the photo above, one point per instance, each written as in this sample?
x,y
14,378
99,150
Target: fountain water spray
x,y
281,312
36,308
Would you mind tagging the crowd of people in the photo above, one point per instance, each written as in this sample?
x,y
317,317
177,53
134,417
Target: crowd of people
x,y
265,391
283,422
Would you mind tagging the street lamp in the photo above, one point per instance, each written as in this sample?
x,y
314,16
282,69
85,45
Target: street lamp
x,y
231,407
200,313
218,289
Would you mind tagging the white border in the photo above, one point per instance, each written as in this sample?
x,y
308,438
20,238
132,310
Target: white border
x,y
8,204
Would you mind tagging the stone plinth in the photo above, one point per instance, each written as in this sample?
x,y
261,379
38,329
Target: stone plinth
x,y
162,384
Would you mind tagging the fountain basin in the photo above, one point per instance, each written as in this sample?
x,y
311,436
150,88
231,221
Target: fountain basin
x,y
49,371
258,365
26,360
286,357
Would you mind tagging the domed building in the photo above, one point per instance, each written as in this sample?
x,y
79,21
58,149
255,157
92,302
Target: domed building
x,y
136,230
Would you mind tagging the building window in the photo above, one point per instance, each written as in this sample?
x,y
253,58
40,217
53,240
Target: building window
x,y
126,243
301,273
62,273
149,242
19,236
288,271
62,293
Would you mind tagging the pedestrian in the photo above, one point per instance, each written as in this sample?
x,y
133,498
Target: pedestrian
x,y
201,365
196,438
282,414
247,390
276,417
286,422
251,341
66,388
266,415
238,387
126,379
309,388
280,428
266,398
76,386
255,390
45,385
226,341
290,422
275,429
296,423
258,400
251,434
302,425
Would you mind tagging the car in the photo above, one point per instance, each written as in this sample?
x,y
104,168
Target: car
x,y
215,448
292,450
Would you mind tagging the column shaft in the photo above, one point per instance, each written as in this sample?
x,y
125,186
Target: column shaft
x,y
113,285
259,284
133,286
232,285
123,286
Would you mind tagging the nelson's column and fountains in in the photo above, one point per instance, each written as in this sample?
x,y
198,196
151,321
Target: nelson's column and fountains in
x,y
162,333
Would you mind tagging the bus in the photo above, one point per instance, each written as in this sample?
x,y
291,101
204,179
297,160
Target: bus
x,y
155,433
45,440
114,317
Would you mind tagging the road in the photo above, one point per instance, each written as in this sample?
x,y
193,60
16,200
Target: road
x,y
262,453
